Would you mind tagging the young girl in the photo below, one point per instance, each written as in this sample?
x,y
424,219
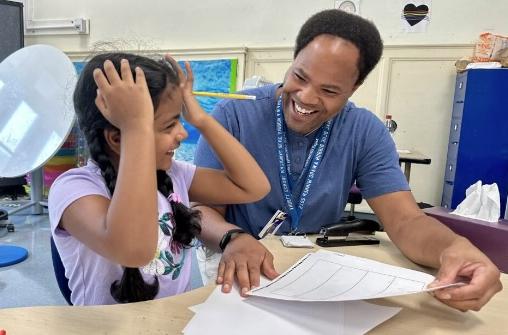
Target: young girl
x,y
121,223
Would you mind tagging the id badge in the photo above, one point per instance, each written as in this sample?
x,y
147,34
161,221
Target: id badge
x,y
273,224
296,241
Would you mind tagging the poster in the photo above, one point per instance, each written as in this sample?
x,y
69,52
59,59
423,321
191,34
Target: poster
x,y
217,75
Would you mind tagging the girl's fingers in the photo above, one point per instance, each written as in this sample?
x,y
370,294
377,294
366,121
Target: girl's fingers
x,y
220,272
140,77
100,102
100,79
175,67
111,73
125,71
190,75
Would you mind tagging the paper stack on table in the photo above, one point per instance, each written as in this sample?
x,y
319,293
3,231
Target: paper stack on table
x,y
317,295
230,314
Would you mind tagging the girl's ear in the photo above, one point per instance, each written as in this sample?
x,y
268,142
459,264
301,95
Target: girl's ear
x,y
112,137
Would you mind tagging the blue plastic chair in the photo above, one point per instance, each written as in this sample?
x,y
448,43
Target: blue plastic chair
x,y
63,282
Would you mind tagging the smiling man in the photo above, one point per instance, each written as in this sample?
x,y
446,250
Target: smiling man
x,y
314,144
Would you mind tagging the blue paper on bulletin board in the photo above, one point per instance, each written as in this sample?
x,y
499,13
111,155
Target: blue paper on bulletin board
x,y
218,75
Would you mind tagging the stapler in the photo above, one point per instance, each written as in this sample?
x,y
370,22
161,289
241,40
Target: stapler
x,y
356,232
356,226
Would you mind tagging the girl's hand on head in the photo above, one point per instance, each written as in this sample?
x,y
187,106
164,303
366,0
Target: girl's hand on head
x,y
123,100
192,111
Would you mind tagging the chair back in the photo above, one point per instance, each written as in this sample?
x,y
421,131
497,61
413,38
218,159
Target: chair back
x,y
63,282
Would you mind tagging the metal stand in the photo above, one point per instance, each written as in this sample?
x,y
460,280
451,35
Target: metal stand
x,y
11,254
36,188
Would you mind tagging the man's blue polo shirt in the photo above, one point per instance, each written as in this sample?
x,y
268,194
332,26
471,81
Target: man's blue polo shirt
x,y
359,149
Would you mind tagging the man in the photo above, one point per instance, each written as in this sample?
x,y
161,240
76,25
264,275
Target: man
x,y
313,144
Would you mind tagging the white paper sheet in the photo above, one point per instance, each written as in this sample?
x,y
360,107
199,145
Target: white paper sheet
x,y
231,314
332,276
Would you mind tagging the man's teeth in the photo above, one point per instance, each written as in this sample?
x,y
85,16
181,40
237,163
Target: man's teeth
x,y
302,110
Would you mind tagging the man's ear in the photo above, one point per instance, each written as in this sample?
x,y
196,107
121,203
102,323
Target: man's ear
x,y
358,84
112,137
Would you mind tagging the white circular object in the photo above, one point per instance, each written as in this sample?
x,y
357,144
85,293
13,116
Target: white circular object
x,y
348,6
36,109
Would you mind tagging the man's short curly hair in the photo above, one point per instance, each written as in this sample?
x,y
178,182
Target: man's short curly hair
x,y
353,28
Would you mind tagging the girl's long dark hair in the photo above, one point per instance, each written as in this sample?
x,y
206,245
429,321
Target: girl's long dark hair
x,y
159,75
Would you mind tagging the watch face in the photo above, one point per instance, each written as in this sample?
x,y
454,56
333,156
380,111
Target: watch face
x,y
348,6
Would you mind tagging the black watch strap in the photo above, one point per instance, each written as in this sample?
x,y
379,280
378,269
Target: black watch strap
x,y
226,238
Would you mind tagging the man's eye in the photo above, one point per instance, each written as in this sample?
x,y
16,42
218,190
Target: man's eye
x,y
299,77
330,92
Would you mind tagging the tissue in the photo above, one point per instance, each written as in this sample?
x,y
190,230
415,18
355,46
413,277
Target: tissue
x,y
482,202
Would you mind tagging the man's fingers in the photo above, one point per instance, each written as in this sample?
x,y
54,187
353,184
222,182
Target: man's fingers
x,y
469,292
466,292
469,297
450,267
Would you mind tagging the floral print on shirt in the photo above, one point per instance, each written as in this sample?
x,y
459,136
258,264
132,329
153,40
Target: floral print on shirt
x,y
163,263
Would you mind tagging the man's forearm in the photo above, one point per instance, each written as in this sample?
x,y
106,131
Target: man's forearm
x,y
213,225
424,239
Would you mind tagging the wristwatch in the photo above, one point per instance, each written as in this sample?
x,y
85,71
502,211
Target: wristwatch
x,y
226,238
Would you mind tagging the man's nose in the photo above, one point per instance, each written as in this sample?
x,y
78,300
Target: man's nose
x,y
308,96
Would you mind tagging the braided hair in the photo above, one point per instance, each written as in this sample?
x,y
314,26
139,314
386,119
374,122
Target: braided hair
x,y
159,75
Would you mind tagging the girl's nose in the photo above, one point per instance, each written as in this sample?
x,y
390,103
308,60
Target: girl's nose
x,y
181,134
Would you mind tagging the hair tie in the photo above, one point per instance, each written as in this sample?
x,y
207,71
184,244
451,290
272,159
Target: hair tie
x,y
174,197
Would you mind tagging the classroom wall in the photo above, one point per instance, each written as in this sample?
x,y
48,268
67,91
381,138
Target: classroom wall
x,y
413,83
170,24
414,80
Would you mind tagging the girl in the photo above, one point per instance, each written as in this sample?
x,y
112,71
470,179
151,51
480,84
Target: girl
x,y
121,223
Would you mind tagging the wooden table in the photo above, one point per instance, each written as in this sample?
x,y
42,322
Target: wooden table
x,y
421,314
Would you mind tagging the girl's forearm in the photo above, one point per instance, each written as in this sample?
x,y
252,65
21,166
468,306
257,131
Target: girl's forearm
x,y
132,214
238,164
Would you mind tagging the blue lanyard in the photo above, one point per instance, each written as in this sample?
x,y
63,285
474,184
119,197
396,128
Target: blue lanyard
x,y
309,169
